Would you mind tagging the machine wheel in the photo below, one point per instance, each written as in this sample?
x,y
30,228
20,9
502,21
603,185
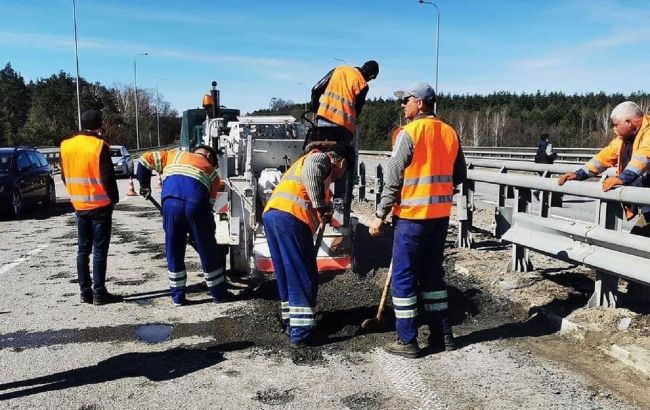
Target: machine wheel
x,y
50,194
16,206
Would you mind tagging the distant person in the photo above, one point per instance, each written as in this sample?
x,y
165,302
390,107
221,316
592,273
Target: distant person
x,y
87,172
426,163
191,183
338,98
545,154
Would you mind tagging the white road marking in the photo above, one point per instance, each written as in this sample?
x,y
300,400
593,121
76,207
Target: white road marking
x,y
6,268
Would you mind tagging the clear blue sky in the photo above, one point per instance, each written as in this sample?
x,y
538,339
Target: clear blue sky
x,y
258,50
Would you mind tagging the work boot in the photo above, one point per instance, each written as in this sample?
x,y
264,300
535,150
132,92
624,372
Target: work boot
x,y
399,348
106,298
439,342
314,338
180,302
86,297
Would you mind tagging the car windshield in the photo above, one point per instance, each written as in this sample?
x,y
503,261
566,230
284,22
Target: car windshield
x,y
5,162
116,152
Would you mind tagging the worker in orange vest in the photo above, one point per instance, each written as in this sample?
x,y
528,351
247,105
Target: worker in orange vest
x,y
189,190
337,99
426,163
87,171
630,152
298,205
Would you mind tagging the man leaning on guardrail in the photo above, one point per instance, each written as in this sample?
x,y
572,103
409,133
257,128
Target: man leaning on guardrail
x,y
630,151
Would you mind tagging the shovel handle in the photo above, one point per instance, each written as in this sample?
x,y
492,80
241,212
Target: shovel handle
x,y
319,237
384,293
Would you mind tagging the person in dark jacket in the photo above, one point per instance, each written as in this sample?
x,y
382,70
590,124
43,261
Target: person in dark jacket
x,y
545,154
87,171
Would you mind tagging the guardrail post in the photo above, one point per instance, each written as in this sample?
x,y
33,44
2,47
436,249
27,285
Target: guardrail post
x,y
361,183
544,198
465,213
520,261
610,216
379,185
502,214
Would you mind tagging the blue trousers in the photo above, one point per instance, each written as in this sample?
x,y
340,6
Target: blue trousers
x,y
294,259
418,273
94,232
181,217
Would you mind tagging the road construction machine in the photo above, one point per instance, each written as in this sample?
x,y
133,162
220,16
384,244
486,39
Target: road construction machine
x,y
254,151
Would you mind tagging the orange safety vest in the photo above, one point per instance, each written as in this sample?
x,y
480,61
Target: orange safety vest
x,y
291,195
189,164
428,186
337,104
80,158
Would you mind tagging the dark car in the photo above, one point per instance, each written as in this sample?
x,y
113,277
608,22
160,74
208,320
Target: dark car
x,y
25,179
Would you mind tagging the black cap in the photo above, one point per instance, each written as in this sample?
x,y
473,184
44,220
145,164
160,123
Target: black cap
x,y
370,69
91,120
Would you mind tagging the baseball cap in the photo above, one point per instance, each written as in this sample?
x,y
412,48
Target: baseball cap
x,y
419,90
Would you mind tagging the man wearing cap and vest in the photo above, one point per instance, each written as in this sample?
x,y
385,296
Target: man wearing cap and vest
x,y
298,205
87,172
190,186
425,165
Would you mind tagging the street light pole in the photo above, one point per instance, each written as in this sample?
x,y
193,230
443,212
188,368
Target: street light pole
x,y
340,59
435,105
135,86
299,83
158,109
76,57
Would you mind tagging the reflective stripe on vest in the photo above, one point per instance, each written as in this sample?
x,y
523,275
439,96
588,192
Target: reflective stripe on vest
x,y
193,166
337,104
290,195
427,191
80,161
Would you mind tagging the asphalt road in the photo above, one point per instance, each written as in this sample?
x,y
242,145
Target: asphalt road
x,y
58,353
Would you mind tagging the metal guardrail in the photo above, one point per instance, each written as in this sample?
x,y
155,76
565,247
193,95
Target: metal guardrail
x,y
53,154
564,155
601,245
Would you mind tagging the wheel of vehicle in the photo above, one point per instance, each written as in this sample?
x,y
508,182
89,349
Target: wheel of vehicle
x,y
50,194
16,203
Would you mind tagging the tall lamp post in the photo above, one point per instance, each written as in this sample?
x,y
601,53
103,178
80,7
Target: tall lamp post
x,y
435,105
76,57
135,86
299,83
158,109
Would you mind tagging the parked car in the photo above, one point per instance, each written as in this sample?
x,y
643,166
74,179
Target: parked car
x,y
122,160
25,179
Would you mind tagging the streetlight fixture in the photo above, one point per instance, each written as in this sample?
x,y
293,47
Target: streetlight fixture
x,y
135,86
158,110
340,59
306,98
76,57
437,45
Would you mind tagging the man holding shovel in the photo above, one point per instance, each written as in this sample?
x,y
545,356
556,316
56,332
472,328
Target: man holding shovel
x,y
188,194
299,207
425,165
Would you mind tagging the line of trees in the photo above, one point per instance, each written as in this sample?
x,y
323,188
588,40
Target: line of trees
x,y
498,119
43,112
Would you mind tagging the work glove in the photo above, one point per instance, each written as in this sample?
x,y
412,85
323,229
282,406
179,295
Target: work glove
x,y
145,192
325,214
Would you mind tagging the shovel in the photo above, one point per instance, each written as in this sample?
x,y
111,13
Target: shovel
x,y
374,325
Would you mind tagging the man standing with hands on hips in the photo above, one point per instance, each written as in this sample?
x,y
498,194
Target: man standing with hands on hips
x,y
426,163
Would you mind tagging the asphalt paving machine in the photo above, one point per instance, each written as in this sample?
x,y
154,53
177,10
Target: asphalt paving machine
x,y
254,151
